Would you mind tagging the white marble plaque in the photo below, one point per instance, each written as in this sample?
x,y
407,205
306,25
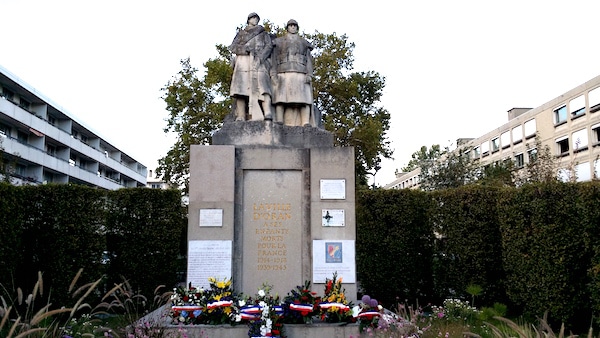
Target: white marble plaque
x,y
208,259
332,217
333,189
334,256
211,217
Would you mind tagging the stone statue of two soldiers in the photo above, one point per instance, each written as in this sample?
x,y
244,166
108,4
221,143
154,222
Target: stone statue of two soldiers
x,y
272,74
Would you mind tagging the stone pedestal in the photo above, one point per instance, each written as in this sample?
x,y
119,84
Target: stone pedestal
x,y
257,202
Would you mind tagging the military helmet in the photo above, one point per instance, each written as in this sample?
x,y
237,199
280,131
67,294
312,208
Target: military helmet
x,y
251,15
292,22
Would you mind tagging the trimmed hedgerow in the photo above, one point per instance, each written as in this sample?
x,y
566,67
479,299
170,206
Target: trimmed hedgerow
x,y
144,230
546,256
394,245
468,250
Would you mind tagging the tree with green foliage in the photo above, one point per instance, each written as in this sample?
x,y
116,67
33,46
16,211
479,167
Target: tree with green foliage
x,y
422,157
349,103
442,168
542,165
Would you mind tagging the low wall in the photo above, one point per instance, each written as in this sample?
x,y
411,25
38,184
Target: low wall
x,y
319,330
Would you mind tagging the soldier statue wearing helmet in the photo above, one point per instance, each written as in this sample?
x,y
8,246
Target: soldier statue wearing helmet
x,y
291,76
250,84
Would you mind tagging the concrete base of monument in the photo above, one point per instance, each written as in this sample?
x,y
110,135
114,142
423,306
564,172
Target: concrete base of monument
x,y
267,133
160,319
318,330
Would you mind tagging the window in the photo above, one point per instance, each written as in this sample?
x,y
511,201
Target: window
x,y
476,152
560,115
562,145
7,94
519,160
495,144
583,172
532,155
517,134
505,139
21,170
596,133
485,148
530,128
24,104
594,99
577,106
4,130
580,140
22,137
51,119
50,150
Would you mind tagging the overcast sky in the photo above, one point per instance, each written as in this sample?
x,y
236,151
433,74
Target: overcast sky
x,y
453,68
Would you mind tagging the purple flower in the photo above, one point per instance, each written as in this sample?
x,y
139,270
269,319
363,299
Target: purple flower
x,y
366,299
373,303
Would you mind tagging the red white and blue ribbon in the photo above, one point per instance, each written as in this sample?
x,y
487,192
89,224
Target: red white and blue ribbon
x,y
340,306
222,303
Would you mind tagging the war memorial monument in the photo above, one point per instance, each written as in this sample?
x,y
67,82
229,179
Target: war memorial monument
x,y
272,200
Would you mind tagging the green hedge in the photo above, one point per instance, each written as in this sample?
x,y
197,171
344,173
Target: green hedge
x,y
545,243
58,229
394,245
12,212
144,228
468,249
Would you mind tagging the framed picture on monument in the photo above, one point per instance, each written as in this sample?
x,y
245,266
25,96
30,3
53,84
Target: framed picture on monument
x,y
333,189
333,217
334,256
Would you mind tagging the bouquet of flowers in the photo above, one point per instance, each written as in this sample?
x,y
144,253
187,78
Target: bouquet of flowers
x,y
335,308
264,314
215,305
301,304
187,305
368,313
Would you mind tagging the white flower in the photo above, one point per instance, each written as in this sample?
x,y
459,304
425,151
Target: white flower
x,y
355,311
238,318
261,293
242,302
262,304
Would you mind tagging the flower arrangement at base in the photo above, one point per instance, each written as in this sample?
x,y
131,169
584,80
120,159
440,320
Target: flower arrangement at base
x,y
335,308
301,304
368,313
263,314
215,305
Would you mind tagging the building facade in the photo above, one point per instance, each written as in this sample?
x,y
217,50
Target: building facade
x,y
569,125
42,143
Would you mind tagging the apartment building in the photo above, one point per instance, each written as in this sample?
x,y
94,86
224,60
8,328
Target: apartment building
x,y
568,124
41,143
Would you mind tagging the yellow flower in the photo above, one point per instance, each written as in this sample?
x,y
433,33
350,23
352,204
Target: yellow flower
x,y
221,285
